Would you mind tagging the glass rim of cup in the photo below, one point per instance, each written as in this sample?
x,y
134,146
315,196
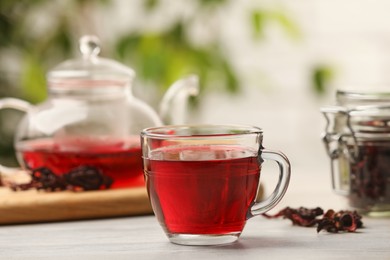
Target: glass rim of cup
x,y
215,130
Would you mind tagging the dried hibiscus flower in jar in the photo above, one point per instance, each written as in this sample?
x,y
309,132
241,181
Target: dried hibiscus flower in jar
x,y
357,140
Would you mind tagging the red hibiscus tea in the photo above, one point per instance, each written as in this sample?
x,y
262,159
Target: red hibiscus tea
x,y
202,189
202,180
120,162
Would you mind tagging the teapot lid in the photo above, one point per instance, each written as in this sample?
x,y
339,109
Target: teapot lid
x,y
90,70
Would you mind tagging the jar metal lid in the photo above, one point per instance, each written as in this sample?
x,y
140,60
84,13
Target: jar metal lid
x,y
373,119
358,118
370,122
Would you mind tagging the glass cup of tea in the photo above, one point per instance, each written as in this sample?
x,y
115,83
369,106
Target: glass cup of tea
x,y
203,180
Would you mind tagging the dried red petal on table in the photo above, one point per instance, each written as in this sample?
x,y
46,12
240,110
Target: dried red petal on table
x,y
331,221
340,221
301,217
82,178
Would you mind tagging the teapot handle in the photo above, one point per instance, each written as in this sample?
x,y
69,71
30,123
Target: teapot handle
x,y
173,105
17,104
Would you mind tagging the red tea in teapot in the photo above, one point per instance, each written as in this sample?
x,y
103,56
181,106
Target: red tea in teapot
x,y
119,162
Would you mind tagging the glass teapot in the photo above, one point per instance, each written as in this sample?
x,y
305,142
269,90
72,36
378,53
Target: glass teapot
x,y
85,136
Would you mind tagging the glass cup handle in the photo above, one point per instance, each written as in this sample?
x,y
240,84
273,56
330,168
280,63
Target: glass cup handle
x,y
280,189
17,104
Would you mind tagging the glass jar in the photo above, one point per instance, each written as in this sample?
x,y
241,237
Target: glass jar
x,y
357,140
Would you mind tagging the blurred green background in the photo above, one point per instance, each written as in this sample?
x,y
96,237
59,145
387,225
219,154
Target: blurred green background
x,y
37,35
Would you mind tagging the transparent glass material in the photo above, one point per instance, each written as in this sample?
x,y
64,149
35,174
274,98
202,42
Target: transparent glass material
x,y
359,98
202,180
90,113
357,139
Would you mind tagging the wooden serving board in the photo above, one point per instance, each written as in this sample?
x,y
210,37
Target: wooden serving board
x,y
38,206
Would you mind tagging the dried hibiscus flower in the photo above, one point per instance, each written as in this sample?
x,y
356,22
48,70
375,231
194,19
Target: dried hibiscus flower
x,y
300,217
41,179
331,221
87,178
340,221
78,179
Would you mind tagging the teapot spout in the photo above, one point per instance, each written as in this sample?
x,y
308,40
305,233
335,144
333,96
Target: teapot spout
x,y
173,107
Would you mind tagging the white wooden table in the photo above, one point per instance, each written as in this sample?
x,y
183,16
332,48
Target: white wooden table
x,y
142,238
